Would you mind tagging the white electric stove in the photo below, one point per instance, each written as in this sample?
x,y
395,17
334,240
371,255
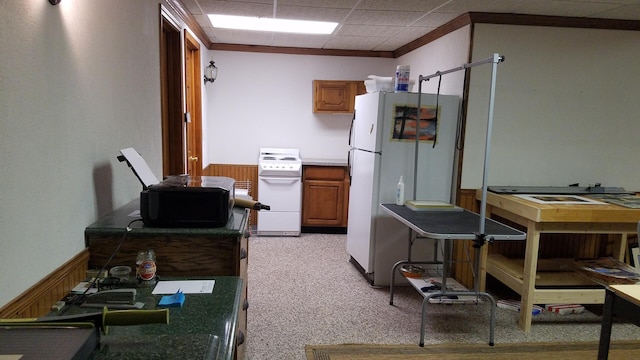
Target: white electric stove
x,y
280,187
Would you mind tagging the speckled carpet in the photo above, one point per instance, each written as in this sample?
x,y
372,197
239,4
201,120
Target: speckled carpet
x,y
529,351
303,290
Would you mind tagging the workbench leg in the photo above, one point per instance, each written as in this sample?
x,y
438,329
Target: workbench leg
x,y
607,321
620,247
529,275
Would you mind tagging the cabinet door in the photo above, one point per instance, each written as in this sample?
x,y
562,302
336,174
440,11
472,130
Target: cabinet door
x,y
335,96
323,203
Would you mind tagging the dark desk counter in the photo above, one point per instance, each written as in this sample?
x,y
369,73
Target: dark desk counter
x,y
117,221
206,326
179,251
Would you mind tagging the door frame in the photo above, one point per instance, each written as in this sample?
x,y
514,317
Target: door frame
x,y
193,104
181,98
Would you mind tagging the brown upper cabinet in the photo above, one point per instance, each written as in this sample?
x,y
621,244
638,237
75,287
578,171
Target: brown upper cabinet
x,y
336,96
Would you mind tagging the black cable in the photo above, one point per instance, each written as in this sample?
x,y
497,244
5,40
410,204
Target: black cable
x,y
435,136
78,299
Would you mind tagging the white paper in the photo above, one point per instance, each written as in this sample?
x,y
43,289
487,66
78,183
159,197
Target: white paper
x,y
139,166
186,286
81,288
559,199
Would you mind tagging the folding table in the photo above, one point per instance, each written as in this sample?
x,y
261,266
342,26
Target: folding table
x,y
448,225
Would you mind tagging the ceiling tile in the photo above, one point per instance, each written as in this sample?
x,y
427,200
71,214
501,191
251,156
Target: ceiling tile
x,y
401,5
297,40
436,19
374,17
566,8
311,13
384,25
354,42
369,30
626,12
338,4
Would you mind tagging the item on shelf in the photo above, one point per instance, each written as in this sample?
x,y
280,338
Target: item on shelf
x,y
381,83
607,271
402,78
400,191
121,273
429,285
515,305
146,267
565,309
412,271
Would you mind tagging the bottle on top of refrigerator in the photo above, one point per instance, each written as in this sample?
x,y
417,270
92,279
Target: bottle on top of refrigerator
x,y
402,78
400,192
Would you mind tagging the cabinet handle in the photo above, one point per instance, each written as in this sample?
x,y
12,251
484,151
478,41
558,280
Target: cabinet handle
x,y
240,338
243,253
245,305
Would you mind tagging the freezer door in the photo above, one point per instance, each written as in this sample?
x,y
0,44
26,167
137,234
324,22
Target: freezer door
x,y
363,202
366,122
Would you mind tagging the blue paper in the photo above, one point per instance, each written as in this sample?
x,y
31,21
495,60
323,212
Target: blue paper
x,y
174,300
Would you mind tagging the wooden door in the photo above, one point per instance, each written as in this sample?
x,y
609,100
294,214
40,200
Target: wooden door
x,y
171,98
193,115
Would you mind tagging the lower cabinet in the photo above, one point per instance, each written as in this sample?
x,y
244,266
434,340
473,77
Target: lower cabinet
x,y
325,201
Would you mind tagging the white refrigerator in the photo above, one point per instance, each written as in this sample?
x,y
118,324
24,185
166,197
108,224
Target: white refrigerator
x,y
382,148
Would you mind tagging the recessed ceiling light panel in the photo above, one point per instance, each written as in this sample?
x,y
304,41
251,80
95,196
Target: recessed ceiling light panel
x,y
271,24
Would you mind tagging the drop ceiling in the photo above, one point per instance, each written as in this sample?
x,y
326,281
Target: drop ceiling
x,y
382,25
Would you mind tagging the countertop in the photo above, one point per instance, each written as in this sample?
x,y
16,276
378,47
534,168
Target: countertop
x,y
323,162
116,222
189,334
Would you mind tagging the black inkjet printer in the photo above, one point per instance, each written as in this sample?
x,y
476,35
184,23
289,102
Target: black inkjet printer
x,y
181,200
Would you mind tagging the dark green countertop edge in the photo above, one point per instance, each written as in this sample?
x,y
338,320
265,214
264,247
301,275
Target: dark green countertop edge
x,y
224,305
116,222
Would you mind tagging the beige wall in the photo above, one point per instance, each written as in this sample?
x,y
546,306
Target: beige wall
x,y
566,107
78,82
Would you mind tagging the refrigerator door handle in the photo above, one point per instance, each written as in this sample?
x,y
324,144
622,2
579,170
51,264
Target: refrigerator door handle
x,y
350,173
353,119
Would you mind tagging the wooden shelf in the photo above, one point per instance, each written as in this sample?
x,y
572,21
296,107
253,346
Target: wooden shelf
x,y
551,272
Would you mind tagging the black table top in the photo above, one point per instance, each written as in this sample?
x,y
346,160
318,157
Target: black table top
x,y
451,224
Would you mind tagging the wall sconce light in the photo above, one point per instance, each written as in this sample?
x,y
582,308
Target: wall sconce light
x,y
54,2
210,72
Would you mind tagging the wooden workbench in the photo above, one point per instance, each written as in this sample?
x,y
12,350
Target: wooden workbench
x,y
561,286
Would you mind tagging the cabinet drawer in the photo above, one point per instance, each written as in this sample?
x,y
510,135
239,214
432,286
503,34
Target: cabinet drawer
x,y
324,172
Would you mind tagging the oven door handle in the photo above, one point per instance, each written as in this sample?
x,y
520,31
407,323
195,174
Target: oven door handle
x,y
287,180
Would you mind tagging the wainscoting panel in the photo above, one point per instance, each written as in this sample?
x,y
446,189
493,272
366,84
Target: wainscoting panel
x,y
241,173
37,300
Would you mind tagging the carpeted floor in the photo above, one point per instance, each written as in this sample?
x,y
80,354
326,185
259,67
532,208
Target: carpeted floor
x,y
303,290
529,351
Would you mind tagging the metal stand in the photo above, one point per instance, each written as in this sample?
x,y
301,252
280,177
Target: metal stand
x,y
481,235
494,60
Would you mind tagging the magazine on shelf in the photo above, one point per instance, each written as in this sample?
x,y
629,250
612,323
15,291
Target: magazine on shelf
x,y
429,285
608,271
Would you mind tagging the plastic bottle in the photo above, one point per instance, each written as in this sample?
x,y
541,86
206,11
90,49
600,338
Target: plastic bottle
x,y
402,78
400,192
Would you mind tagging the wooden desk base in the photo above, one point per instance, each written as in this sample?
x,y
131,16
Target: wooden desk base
x,y
591,220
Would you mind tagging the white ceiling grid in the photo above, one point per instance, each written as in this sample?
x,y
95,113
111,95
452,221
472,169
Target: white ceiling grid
x,y
383,25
